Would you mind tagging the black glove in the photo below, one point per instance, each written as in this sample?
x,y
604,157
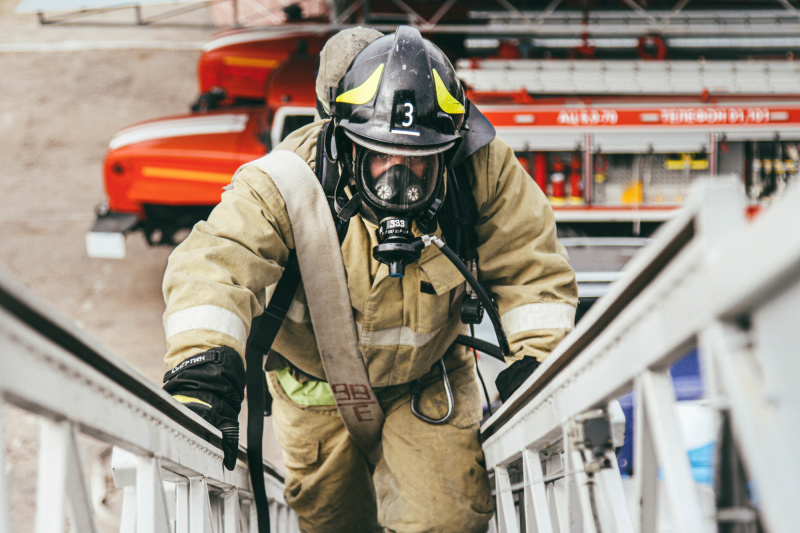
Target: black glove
x,y
211,384
515,375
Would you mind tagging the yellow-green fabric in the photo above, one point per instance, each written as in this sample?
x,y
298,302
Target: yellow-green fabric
x,y
309,393
230,262
429,479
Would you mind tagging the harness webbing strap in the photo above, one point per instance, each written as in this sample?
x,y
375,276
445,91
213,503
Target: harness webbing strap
x,y
322,267
262,334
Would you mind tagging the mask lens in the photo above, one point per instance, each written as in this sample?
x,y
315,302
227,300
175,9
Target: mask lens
x,y
399,182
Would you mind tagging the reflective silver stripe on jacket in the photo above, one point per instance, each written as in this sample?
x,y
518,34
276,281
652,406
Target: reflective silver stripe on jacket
x,y
208,317
401,336
530,317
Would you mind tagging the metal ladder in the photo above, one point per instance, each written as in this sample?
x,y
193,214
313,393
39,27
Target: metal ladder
x,y
709,281
165,459
627,77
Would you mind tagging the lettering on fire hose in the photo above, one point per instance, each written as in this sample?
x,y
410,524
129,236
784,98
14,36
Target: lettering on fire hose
x,y
356,396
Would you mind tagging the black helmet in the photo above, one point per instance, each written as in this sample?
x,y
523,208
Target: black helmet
x,y
401,105
401,91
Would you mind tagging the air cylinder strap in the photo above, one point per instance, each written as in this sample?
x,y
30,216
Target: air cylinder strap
x,y
322,269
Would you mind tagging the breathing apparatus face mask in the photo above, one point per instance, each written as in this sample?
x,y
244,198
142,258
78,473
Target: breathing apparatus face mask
x,y
398,184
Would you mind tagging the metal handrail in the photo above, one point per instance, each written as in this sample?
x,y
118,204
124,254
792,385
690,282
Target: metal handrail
x,y
641,270
39,317
710,281
55,370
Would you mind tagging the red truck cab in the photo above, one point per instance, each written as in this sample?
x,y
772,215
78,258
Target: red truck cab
x,y
162,176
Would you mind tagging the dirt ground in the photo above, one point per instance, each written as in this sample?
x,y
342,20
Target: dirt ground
x,y
58,109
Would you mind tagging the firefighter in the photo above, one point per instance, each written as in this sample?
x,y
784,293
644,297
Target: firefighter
x,y
400,124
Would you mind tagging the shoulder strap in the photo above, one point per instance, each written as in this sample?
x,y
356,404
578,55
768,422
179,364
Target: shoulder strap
x,y
459,215
262,335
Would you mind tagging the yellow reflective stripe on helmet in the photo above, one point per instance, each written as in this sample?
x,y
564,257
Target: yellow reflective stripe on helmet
x,y
189,399
447,102
308,393
364,92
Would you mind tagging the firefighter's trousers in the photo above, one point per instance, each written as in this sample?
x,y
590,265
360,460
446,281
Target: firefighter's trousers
x,y
430,478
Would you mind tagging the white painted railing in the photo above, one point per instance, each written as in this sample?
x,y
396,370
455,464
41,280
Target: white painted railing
x,y
710,281
165,457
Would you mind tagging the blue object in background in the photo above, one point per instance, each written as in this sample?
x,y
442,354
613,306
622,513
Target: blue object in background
x,y
702,461
688,384
686,377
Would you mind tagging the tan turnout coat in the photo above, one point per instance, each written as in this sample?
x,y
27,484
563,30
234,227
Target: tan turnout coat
x,y
220,277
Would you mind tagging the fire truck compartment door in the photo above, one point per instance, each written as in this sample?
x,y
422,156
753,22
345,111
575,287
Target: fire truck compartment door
x,y
762,135
651,142
524,139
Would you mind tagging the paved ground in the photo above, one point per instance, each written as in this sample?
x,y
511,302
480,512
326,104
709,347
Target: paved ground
x,y
57,111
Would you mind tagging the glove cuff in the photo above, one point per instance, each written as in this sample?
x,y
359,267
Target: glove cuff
x,y
510,379
215,377
219,371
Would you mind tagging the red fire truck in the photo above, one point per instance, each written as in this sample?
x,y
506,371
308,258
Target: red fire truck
x,y
614,142
613,114
162,176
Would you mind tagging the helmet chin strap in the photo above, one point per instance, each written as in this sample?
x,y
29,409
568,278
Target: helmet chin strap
x,y
352,203
346,204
